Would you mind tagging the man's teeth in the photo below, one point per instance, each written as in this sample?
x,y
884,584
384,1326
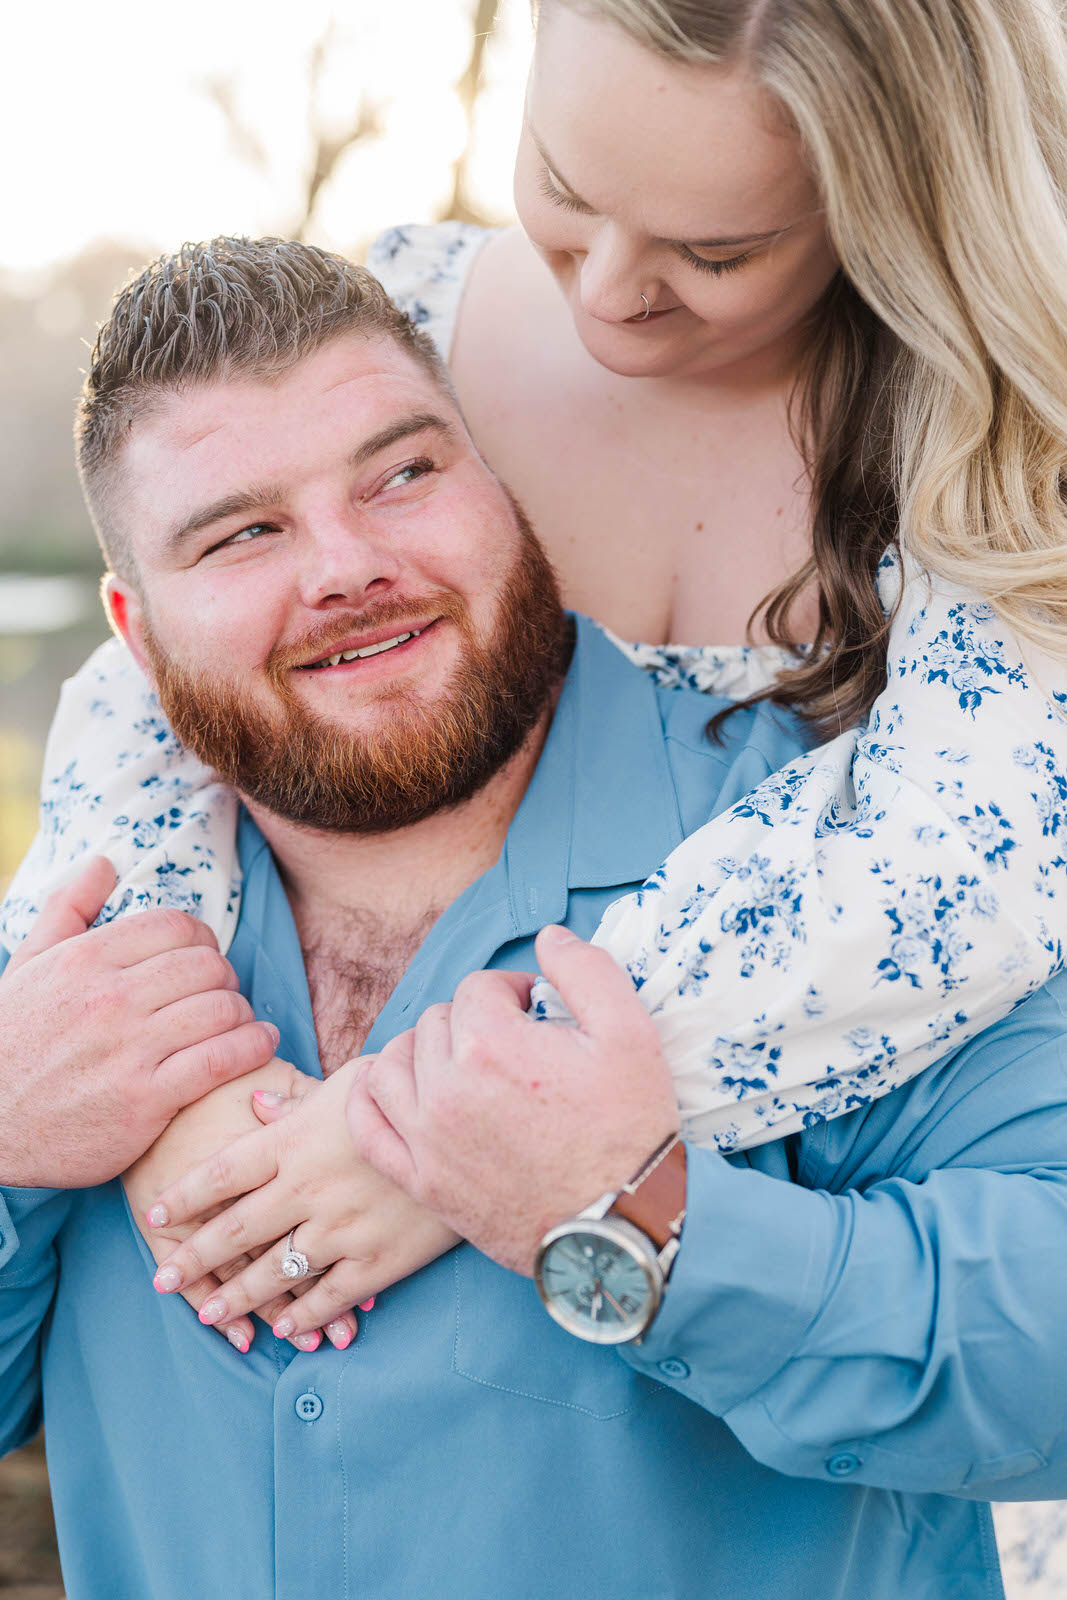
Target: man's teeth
x,y
370,650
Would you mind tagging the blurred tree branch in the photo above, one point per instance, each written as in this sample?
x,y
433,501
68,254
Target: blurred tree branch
x,y
461,207
328,144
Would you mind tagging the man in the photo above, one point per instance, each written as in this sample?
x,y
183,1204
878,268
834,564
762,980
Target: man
x,y
283,482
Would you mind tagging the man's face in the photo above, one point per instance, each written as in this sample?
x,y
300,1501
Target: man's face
x,y
339,510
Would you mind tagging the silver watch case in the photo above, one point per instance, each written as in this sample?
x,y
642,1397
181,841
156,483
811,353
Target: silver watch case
x,y
625,1236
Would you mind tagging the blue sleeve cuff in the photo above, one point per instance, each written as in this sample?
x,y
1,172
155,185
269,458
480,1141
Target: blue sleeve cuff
x,y
748,1280
17,1206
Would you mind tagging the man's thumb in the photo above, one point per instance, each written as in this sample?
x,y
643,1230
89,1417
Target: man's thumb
x,y
598,993
68,911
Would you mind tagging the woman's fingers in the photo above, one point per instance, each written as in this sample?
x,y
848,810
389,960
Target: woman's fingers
x,y
259,1282
327,1304
246,1164
238,1331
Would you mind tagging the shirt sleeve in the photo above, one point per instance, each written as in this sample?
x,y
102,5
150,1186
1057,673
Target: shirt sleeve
x,y
29,1222
875,903
903,1330
116,782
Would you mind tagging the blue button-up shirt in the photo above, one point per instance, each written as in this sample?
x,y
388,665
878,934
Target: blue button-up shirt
x,y
861,1340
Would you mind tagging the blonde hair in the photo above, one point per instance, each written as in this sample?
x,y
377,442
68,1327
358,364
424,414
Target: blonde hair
x,y
230,307
933,409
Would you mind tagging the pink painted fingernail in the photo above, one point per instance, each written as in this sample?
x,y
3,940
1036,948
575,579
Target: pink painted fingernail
x,y
367,1305
283,1327
268,1098
238,1340
158,1216
340,1334
213,1311
167,1279
308,1341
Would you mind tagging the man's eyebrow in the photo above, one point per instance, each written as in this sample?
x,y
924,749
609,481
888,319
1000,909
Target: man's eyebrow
x,y
694,244
403,428
251,499
254,498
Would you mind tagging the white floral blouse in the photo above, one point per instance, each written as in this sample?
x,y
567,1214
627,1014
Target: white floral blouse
x,y
864,911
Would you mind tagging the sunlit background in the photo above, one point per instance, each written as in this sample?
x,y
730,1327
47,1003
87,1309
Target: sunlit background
x,y
127,128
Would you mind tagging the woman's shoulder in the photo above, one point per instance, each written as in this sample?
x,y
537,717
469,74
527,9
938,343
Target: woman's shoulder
x,y
424,267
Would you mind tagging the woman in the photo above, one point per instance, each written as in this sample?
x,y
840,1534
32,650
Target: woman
x,y
811,258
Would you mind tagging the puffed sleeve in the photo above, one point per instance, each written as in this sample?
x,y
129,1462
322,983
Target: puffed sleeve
x,y
116,782
872,905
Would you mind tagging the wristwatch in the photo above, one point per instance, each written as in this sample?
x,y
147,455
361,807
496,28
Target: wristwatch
x,y
602,1273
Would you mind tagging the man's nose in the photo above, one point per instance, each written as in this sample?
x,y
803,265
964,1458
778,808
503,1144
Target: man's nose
x,y
343,563
612,278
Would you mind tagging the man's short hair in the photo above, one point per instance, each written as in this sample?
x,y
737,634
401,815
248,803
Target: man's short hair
x,y
228,308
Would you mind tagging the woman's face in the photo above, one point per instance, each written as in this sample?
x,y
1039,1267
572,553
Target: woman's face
x,y
641,176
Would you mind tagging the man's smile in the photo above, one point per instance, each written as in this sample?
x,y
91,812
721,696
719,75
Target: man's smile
x,y
363,647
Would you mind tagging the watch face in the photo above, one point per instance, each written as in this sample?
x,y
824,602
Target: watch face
x,y
598,1283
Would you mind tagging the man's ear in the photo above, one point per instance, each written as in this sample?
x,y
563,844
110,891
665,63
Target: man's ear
x,y
126,615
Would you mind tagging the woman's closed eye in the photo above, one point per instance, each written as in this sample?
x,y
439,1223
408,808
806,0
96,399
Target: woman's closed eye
x,y
716,268
559,196
569,202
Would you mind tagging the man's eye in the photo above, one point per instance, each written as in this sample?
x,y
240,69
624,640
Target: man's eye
x,y
410,473
255,530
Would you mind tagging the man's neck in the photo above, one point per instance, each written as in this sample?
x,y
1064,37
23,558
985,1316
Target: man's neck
x,y
363,903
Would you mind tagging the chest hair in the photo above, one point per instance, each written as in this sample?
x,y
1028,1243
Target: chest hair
x,y
351,973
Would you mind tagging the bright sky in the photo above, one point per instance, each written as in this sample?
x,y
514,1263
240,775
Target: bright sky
x,y
108,131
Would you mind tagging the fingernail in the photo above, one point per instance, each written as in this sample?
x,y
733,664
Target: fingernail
x,y
271,1029
237,1339
308,1341
557,935
267,1097
167,1279
283,1327
213,1311
158,1216
367,1305
340,1334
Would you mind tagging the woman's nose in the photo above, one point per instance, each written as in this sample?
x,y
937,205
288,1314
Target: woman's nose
x,y
611,280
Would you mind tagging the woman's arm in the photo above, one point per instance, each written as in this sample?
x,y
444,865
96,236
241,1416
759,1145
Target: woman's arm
x,y
116,782
870,906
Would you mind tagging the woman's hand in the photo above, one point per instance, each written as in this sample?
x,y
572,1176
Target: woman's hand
x,y
201,1128
298,1173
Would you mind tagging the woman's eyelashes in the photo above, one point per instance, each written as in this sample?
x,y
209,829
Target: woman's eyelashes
x,y
716,268
559,197
567,202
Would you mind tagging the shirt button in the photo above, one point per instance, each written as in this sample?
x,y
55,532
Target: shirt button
x,y
843,1465
308,1406
673,1368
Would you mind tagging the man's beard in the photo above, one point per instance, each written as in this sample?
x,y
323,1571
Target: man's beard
x,y
419,756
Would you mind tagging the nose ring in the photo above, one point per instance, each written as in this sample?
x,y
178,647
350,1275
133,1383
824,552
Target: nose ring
x,y
643,314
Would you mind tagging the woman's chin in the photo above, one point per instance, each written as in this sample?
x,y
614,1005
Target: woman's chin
x,y
634,351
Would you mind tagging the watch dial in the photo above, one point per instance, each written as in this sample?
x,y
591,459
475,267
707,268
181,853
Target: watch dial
x,y
597,1286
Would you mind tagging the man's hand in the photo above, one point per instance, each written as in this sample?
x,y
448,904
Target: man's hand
x,y
504,1125
300,1173
106,1032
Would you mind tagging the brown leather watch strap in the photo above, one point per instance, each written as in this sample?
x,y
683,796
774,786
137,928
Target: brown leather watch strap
x,y
655,1203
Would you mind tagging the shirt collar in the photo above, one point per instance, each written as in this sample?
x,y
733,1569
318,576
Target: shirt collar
x,y
601,808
